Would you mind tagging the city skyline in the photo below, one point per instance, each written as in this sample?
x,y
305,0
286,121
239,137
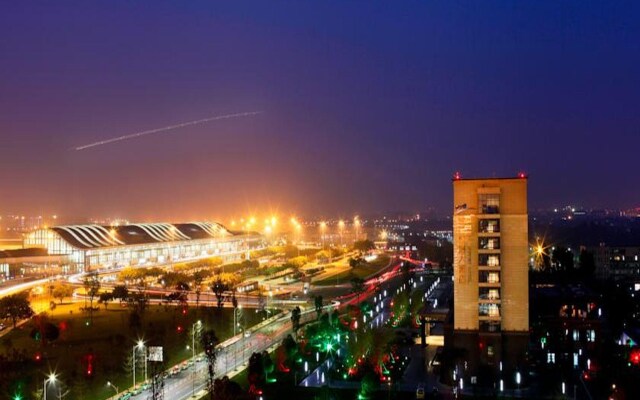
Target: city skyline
x,y
337,199
365,109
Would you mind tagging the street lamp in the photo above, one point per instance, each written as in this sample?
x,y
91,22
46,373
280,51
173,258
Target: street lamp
x,y
50,379
341,228
236,316
138,346
114,387
195,326
269,300
299,234
356,224
323,228
245,335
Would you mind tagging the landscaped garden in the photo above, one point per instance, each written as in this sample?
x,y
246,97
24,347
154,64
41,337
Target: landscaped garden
x,y
87,351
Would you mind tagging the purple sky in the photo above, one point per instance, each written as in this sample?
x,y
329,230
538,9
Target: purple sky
x,y
367,107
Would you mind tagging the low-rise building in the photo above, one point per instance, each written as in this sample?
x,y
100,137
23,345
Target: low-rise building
x,y
95,246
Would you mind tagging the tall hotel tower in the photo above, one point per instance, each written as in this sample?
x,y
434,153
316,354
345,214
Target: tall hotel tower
x,y
490,251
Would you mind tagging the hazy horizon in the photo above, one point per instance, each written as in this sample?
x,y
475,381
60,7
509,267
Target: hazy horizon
x,y
364,108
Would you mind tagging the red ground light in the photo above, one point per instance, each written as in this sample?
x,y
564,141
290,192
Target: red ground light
x,y
634,357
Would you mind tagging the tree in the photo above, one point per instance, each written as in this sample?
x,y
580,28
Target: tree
x,y
354,262
267,365
171,279
218,288
287,354
44,331
563,259
91,285
357,285
105,298
15,307
319,305
198,279
138,302
175,296
120,292
131,274
209,343
364,245
234,301
369,383
61,290
295,320
255,373
154,272
182,289
226,389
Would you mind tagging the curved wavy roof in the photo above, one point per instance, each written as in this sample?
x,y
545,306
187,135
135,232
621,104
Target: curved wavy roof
x,y
96,236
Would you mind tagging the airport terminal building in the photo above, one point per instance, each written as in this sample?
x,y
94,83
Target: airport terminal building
x,y
87,247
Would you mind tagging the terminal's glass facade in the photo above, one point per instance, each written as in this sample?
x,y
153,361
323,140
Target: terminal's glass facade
x,y
88,247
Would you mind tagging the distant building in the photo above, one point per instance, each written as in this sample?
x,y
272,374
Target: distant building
x,y
490,251
95,246
616,262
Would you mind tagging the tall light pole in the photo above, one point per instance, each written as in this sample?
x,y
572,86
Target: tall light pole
x,y
356,224
114,387
323,228
236,312
195,326
341,228
246,334
138,346
297,227
50,379
299,231
133,362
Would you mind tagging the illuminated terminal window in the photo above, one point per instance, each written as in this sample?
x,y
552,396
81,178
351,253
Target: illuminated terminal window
x,y
142,244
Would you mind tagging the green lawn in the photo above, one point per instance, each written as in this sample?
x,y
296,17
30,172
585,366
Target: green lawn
x,y
108,341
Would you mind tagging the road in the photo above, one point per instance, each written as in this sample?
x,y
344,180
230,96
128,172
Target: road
x,y
9,290
233,356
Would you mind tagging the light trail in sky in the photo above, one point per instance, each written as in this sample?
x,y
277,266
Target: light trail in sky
x,y
164,129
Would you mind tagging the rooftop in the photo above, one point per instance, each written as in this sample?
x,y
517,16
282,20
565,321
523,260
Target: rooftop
x,y
96,236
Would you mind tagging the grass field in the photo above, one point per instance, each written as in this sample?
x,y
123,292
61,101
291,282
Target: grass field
x,y
103,346
361,271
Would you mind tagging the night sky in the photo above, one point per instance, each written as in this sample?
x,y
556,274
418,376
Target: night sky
x,y
366,107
